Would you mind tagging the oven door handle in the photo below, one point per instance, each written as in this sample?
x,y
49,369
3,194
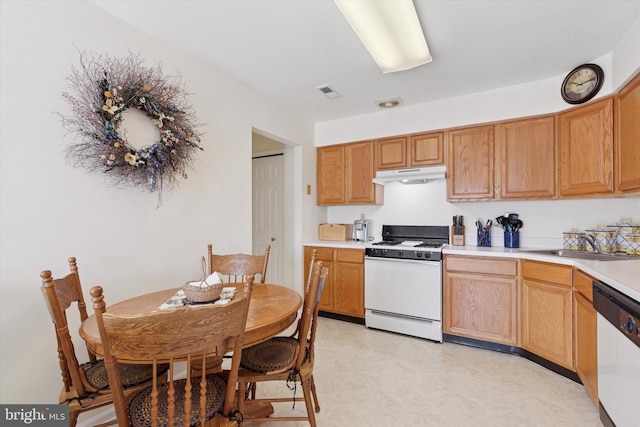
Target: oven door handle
x,y
412,261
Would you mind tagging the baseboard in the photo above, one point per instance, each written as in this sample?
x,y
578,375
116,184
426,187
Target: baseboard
x,y
567,373
343,317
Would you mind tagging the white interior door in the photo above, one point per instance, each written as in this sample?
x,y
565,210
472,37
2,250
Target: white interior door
x,y
268,206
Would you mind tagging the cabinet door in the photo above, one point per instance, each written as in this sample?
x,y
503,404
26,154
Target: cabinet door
x,y
482,307
348,298
426,149
471,165
526,151
586,150
547,321
628,138
331,164
360,170
391,153
326,255
585,338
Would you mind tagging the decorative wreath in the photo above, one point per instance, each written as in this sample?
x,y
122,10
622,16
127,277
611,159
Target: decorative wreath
x,y
106,87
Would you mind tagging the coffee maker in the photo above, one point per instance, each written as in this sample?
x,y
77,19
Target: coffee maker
x,y
361,230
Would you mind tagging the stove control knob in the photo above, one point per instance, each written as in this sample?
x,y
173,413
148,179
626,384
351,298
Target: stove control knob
x,y
400,254
419,254
629,324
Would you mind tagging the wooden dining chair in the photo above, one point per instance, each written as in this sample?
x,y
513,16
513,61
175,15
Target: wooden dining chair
x,y
85,386
184,337
236,267
287,359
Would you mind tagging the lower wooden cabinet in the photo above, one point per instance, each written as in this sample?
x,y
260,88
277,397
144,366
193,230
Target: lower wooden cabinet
x,y
344,287
585,333
481,298
546,311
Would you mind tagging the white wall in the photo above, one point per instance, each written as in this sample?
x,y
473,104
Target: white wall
x,y
544,221
50,210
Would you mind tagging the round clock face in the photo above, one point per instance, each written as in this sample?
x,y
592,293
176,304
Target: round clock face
x,y
582,83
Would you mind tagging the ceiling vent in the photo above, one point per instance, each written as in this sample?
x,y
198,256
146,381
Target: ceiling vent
x,y
329,92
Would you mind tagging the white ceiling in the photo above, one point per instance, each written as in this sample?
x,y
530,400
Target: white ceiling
x,y
286,49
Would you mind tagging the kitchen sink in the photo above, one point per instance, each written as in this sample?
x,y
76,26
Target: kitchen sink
x,y
594,256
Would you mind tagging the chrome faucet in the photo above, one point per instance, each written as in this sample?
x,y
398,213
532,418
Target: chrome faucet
x,y
591,240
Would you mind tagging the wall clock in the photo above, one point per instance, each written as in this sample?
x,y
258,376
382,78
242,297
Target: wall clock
x,y
582,83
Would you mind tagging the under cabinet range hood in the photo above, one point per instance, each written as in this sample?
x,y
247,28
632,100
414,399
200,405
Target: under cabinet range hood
x,y
410,176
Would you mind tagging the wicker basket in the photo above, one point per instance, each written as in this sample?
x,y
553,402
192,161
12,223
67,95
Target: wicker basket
x,y
202,293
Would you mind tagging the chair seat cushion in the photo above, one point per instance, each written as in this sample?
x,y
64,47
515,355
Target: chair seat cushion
x,y
140,406
271,355
130,374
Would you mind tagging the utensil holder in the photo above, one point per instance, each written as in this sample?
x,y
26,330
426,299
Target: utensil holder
x,y
511,239
484,237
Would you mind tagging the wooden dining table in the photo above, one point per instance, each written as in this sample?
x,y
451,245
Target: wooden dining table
x,y
273,308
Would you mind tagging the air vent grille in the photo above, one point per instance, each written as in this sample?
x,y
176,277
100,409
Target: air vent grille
x,y
328,91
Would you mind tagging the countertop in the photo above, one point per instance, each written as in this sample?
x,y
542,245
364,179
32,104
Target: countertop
x,y
623,275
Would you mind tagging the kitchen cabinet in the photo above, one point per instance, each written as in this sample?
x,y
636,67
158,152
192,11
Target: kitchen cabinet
x,y
586,150
344,286
585,333
470,174
345,173
410,151
525,158
481,298
628,137
546,311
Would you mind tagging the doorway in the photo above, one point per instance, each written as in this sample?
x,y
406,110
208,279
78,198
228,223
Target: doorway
x,y
269,204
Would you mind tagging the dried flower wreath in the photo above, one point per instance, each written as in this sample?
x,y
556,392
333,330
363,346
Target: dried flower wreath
x,y
106,87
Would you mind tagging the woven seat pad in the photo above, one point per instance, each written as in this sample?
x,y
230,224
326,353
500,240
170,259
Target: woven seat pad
x,y
274,354
130,374
140,406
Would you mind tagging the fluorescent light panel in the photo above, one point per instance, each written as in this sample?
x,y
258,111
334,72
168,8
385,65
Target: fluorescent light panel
x,y
390,30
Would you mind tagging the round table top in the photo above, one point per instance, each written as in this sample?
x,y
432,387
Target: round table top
x,y
273,308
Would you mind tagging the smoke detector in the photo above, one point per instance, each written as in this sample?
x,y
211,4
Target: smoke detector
x,y
389,102
329,92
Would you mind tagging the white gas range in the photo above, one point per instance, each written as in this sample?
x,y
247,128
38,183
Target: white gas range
x,y
403,280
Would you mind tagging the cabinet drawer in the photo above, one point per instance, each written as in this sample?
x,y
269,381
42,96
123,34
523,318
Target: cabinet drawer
x,y
350,255
324,254
494,266
545,272
583,284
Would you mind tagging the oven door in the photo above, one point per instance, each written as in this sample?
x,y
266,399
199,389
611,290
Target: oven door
x,y
404,287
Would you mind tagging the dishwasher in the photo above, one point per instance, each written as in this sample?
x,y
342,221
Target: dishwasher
x,y
618,323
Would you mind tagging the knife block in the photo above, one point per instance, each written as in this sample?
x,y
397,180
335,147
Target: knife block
x,y
457,235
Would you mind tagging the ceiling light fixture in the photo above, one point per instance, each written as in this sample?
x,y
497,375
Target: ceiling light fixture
x,y
390,30
389,102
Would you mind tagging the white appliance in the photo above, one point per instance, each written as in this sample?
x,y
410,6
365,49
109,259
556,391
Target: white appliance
x,y
403,280
618,323
361,230
410,176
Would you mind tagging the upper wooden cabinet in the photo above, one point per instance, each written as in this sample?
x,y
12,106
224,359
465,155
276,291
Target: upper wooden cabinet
x,y
628,138
330,177
470,174
345,174
391,153
586,150
525,159
410,151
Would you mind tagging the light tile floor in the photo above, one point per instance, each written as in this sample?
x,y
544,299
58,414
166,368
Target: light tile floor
x,y
369,378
